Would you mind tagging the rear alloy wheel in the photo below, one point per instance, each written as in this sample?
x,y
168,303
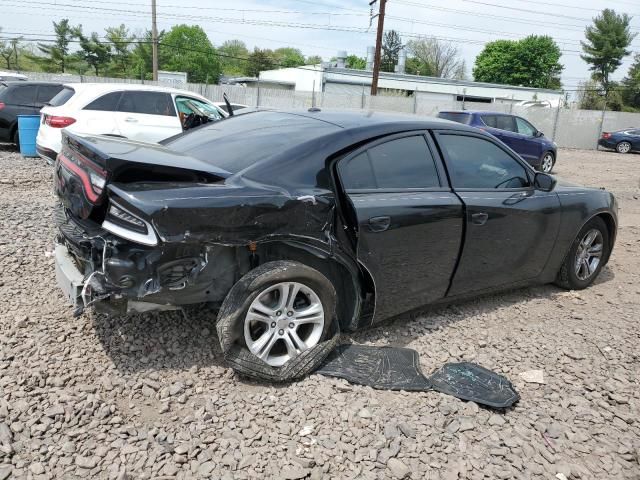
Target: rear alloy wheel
x,y
623,147
587,255
283,321
547,162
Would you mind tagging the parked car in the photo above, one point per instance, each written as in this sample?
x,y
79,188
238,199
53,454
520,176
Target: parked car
x,y
22,98
286,217
234,106
138,112
12,76
622,141
516,132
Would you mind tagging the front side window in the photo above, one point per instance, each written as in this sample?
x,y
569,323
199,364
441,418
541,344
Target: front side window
x,y
477,163
147,103
525,128
192,106
105,103
401,163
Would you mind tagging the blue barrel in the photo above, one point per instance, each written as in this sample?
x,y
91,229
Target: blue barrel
x,y
28,131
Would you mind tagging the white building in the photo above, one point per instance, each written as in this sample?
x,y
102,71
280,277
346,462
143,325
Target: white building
x,y
346,81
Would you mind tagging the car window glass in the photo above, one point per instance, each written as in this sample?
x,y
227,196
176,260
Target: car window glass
x,y
105,103
489,120
506,122
188,106
23,95
401,163
149,103
47,92
464,118
478,163
525,128
62,97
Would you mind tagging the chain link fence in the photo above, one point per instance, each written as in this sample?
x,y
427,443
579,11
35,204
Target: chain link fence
x,y
568,127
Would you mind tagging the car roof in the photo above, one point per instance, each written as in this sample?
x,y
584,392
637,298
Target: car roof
x,y
115,87
471,112
22,83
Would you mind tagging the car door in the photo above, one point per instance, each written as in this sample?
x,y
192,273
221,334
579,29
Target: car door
x,y
148,116
409,223
189,106
529,144
635,139
98,116
511,227
19,100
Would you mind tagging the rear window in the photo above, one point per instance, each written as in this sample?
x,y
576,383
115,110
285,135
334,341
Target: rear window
x,y
238,142
62,97
464,118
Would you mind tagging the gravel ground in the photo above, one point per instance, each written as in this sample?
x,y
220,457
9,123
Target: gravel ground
x,y
150,397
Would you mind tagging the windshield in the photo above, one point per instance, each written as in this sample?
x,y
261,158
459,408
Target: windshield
x,y
62,97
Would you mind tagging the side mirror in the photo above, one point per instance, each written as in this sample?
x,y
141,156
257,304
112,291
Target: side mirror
x,y
539,134
544,181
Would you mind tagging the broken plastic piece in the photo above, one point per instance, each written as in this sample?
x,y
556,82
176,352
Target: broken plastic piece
x,y
393,368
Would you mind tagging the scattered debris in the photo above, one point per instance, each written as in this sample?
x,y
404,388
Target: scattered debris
x,y
533,376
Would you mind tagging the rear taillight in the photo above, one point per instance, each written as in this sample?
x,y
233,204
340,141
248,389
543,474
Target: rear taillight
x,y
606,135
92,176
56,121
1,105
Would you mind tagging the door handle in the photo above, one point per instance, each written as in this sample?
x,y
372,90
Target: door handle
x,y
479,218
131,119
379,224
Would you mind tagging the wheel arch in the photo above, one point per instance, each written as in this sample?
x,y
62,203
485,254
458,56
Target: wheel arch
x,y
349,281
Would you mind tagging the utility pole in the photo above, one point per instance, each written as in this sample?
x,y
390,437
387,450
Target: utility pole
x,y
376,58
154,40
15,53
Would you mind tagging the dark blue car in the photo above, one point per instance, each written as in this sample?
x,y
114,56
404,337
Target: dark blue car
x,y
514,131
622,141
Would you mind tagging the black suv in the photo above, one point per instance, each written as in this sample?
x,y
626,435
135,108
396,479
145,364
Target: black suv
x,y
22,98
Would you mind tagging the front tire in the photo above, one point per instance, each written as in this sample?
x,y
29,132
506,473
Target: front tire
x,y
623,147
276,322
548,162
587,255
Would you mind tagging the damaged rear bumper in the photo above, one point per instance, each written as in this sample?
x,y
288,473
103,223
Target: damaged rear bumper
x,y
95,267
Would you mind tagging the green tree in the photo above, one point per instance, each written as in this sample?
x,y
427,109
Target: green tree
x,y
8,50
391,46
415,66
188,49
313,60
95,53
288,57
533,61
356,62
121,40
233,54
437,57
258,61
591,96
57,55
631,85
607,42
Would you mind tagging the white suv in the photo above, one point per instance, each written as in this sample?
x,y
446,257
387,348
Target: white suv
x,y
137,112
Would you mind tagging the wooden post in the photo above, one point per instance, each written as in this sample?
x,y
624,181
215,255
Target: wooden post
x,y
376,58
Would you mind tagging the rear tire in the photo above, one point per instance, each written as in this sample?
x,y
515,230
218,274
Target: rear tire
x,y
623,147
587,255
240,335
16,138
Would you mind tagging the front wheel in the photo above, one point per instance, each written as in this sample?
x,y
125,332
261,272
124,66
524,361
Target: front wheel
x,y
586,257
278,321
548,161
623,147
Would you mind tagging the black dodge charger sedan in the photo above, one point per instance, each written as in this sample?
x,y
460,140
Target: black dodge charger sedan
x,y
303,223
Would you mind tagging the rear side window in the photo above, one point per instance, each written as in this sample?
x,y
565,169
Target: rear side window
x,y
148,103
480,164
489,120
105,103
464,118
506,122
62,97
47,92
22,95
401,163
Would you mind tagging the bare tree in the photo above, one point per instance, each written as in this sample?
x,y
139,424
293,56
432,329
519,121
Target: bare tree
x,y
443,58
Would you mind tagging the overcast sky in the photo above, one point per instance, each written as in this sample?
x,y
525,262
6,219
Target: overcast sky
x,y
303,23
